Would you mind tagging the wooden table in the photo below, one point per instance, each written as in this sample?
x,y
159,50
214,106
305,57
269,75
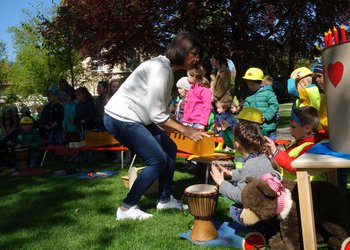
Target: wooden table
x,y
312,164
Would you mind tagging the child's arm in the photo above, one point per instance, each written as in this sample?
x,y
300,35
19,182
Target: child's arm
x,y
270,113
282,158
285,161
206,108
226,188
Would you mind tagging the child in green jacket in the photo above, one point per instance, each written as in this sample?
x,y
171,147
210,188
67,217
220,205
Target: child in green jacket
x,y
29,139
263,98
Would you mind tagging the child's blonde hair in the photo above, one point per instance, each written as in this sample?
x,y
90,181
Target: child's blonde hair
x,y
223,105
199,72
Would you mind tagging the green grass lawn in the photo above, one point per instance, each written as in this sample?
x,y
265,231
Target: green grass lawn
x,y
49,212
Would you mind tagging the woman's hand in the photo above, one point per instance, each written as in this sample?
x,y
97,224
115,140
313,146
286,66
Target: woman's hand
x,y
194,134
200,127
217,176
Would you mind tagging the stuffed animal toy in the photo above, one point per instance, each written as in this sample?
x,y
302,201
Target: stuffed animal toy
x,y
270,198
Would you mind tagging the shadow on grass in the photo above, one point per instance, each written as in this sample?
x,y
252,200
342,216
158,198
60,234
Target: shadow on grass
x,y
33,206
33,209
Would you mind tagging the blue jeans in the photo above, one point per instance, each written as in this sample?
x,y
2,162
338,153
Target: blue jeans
x,y
235,212
155,148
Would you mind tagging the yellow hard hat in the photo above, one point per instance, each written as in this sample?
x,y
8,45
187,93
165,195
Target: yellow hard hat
x,y
301,73
26,120
254,74
251,114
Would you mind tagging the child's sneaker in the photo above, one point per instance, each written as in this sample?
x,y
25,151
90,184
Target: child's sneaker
x,y
133,213
173,203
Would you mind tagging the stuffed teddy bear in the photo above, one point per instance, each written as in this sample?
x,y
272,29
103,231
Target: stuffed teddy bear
x,y
270,198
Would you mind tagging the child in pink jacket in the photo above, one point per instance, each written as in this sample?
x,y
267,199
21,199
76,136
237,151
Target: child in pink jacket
x,y
198,101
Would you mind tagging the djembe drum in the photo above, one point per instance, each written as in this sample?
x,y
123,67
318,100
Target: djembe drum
x,y
22,155
202,200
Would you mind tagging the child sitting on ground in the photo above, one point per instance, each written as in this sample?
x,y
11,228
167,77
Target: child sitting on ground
x,y
248,114
29,138
303,127
250,142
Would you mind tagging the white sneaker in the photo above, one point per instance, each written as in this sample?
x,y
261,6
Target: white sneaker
x,y
173,203
133,213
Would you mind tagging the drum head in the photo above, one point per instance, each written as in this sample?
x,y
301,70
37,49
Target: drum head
x,y
201,189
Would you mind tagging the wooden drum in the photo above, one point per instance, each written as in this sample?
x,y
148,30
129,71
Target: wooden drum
x,y
22,155
202,200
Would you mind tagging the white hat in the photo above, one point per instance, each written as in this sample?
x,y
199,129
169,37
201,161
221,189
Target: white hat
x,y
183,83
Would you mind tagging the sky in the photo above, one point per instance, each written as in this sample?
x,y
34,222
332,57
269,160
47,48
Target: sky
x,y
11,14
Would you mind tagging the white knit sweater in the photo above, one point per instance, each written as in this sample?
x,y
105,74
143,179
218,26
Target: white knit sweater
x,y
145,94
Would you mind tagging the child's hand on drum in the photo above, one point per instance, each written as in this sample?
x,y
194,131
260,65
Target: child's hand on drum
x,y
217,176
226,171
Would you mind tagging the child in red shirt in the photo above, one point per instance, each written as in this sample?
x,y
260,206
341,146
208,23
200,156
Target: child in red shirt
x,y
303,127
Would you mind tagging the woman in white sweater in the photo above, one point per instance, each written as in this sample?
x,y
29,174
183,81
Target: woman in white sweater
x,y
134,112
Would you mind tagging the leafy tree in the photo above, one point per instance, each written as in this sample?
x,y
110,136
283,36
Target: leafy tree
x,y
4,65
36,68
272,35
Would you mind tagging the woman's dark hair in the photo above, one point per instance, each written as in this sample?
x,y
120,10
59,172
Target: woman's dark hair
x,y
85,93
220,57
180,46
